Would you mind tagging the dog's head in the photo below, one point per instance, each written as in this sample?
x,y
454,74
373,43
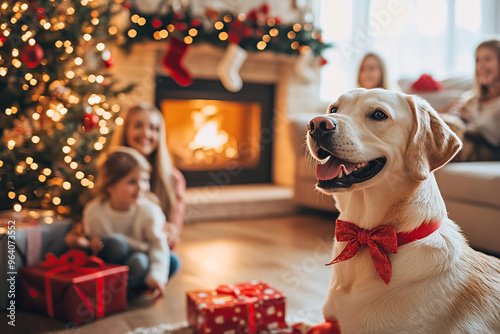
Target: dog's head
x,y
373,136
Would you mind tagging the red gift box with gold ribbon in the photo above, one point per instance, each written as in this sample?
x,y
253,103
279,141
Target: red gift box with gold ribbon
x,y
233,309
75,287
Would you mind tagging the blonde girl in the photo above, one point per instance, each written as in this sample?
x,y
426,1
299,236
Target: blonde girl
x,y
143,129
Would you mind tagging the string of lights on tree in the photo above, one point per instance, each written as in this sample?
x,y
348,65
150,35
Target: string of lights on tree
x,y
58,105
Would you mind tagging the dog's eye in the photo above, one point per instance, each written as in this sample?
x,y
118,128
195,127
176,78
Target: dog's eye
x,y
378,115
333,110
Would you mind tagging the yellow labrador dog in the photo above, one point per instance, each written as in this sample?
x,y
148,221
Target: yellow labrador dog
x,y
400,265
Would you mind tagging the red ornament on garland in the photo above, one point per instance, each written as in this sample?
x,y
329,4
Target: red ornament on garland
x,y
278,20
323,61
265,8
90,121
196,22
32,55
2,37
253,15
109,62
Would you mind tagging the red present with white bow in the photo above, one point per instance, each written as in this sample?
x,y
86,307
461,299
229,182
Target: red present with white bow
x,y
75,287
233,309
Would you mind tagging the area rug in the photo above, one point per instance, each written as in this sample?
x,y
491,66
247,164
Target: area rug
x,y
306,318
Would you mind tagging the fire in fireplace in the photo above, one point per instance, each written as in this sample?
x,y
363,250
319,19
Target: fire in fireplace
x,y
217,137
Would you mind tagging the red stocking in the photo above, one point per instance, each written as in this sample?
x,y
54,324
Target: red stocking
x,y
172,62
328,327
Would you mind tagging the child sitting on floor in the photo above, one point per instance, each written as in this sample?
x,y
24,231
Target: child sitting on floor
x,y
121,225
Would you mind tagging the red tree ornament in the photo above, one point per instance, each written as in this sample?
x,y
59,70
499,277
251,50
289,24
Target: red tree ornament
x,y
90,121
156,23
32,55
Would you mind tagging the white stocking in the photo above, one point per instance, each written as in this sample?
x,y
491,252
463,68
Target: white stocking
x,y
229,67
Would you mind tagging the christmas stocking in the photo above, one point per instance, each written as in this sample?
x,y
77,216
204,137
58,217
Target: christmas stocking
x,y
230,65
302,65
172,62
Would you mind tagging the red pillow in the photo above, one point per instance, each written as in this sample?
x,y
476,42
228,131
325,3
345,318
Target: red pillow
x,y
426,83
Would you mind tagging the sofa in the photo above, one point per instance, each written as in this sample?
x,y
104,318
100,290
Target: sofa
x,y
471,191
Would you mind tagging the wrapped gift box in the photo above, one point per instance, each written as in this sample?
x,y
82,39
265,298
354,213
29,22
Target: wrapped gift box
x,y
233,309
33,233
76,287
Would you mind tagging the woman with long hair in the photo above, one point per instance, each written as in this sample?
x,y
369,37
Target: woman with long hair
x,y
479,108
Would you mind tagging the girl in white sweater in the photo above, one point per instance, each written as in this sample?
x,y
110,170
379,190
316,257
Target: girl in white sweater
x,y
122,225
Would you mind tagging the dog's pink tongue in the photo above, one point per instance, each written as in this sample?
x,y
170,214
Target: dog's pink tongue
x,y
332,167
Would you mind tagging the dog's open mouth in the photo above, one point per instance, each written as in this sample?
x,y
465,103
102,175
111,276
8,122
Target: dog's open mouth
x,y
333,172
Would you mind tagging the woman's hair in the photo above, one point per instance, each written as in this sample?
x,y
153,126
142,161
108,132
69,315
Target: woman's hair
x,y
384,81
161,175
481,91
117,164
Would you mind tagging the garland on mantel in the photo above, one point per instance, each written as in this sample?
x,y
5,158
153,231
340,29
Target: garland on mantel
x,y
238,33
253,32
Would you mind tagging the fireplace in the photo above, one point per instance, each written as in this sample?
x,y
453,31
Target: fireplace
x,y
216,137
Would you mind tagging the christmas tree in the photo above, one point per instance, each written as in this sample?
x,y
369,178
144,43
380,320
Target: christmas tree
x,y
57,105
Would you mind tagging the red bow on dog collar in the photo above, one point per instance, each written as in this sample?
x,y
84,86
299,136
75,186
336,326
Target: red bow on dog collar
x,y
381,240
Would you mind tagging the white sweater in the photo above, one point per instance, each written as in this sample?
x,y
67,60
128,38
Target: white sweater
x,y
142,225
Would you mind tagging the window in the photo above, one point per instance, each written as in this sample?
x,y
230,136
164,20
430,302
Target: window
x,y
437,37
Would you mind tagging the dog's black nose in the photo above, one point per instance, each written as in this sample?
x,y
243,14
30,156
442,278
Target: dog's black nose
x,y
322,125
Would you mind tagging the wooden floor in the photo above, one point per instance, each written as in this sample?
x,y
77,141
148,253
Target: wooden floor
x,y
287,252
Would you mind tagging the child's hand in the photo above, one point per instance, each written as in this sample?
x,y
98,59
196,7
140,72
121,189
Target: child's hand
x,y
155,285
96,245
173,234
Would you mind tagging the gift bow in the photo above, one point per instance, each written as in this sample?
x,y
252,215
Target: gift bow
x,y
72,258
381,240
246,291
72,261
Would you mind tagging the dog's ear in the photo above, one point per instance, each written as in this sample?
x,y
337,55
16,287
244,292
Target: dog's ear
x,y
432,143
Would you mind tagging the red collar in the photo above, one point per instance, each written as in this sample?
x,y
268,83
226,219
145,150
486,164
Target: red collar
x,y
424,230
381,240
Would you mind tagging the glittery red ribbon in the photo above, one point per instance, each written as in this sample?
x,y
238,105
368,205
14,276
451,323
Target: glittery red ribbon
x,y
72,261
381,240
248,292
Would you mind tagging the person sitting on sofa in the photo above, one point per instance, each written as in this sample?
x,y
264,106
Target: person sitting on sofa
x,y
479,108
372,72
